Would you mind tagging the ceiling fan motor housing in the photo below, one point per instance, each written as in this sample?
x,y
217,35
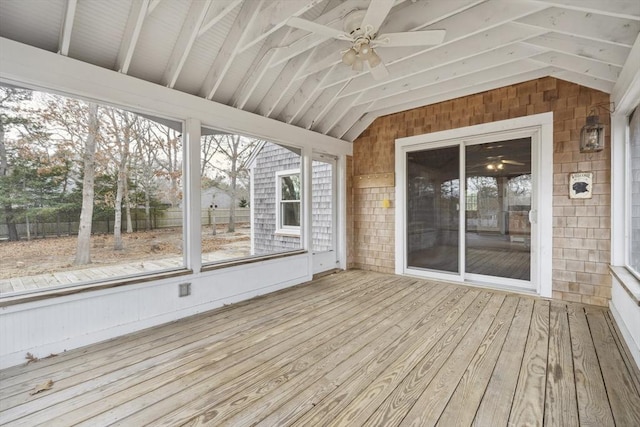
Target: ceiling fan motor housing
x,y
353,23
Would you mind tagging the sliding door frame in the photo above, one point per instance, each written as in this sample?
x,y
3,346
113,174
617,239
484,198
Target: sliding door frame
x,y
540,128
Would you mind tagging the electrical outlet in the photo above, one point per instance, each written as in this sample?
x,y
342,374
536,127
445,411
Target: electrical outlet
x,y
184,289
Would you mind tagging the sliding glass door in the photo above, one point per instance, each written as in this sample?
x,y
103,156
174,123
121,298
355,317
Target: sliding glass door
x,y
480,231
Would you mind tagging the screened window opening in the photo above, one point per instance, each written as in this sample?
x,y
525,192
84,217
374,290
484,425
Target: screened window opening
x,y
250,197
88,193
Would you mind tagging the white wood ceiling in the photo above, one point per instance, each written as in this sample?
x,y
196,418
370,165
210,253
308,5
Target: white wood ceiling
x,y
242,53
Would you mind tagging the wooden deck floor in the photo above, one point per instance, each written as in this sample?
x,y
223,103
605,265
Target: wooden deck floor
x,y
354,348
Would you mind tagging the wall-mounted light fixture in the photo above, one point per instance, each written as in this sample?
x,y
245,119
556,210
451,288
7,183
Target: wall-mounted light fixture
x,y
592,133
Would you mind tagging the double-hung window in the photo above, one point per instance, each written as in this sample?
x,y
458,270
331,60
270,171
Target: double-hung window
x,y
288,200
633,185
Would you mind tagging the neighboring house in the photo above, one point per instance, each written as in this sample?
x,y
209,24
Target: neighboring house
x,y
276,193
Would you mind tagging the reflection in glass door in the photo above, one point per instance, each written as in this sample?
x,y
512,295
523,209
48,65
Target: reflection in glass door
x,y
497,205
433,200
323,212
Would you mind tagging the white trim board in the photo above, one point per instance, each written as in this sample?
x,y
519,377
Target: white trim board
x,y
542,162
24,65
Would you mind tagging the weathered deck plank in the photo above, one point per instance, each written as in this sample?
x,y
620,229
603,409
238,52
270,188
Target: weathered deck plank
x,y
353,348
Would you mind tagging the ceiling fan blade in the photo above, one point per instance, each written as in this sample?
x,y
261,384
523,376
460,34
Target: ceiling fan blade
x,y
379,72
512,162
312,27
376,14
411,38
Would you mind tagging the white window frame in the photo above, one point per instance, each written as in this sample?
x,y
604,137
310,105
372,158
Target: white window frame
x,y
287,230
627,190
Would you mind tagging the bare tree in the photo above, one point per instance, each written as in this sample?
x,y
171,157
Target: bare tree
x,y
230,159
83,248
168,157
121,131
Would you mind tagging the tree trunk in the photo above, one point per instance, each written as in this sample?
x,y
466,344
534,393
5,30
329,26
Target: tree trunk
x,y
232,206
8,209
147,210
117,223
127,207
83,249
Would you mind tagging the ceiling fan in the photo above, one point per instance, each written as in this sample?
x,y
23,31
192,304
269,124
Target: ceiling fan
x,y
497,162
361,31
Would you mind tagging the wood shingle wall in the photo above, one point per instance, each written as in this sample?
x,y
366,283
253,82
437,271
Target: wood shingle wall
x,y
581,227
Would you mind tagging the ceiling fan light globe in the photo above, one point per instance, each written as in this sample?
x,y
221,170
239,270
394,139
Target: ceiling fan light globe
x,y
349,57
357,65
374,59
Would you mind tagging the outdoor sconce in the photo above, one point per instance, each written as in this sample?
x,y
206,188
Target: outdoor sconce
x,y
592,135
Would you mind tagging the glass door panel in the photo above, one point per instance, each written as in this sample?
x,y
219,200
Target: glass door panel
x,y
323,213
433,200
498,201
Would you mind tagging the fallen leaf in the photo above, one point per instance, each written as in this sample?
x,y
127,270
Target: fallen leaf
x,y
31,358
42,387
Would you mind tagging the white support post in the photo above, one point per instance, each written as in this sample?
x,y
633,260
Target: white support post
x,y
342,211
191,202
307,214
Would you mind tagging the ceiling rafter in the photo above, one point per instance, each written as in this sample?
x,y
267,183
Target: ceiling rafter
x,y
347,120
335,114
273,17
281,86
303,98
223,60
466,66
584,80
571,45
186,39
591,26
488,74
67,27
460,50
217,12
152,6
259,67
464,29
584,66
627,9
137,14
317,111
500,80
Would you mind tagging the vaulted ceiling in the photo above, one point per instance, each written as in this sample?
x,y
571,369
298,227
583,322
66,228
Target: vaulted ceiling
x,y
242,53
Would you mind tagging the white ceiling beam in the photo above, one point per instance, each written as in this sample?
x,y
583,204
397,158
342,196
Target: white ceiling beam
x,y
303,40
502,80
217,11
67,27
587,25
412,17
137,14
585,80
335,114
221,64
319,109
598,51
281,86
273,17
259,67
303,98
437,75
583,66
626,91
465,29
152,6
490,74
185,41
457,51
351,116
627,9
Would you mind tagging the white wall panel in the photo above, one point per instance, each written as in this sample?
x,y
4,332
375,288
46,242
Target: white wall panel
x,y
627,315
58,324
